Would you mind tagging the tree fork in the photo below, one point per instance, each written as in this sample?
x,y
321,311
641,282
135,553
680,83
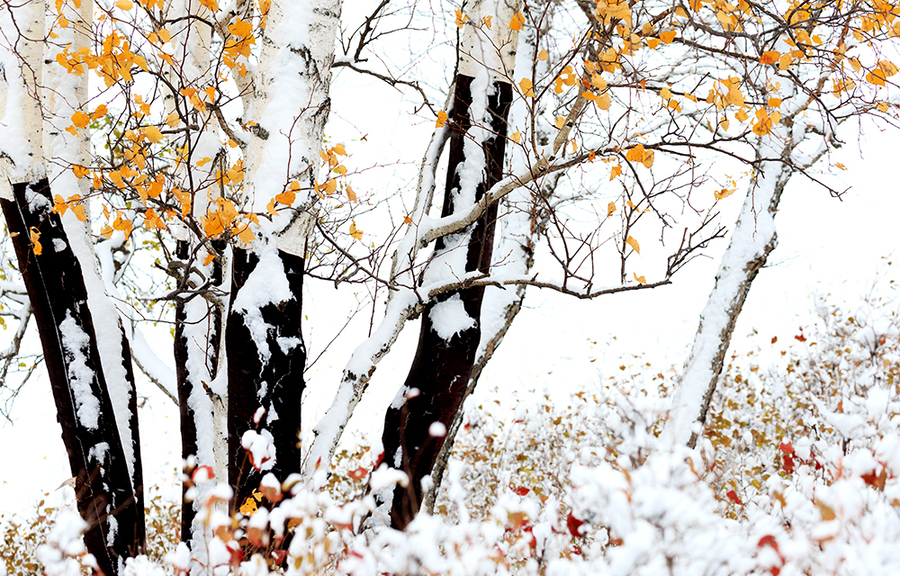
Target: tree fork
x,y
441,368
53,277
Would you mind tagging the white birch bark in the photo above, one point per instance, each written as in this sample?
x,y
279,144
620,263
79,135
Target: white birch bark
x,y
21,134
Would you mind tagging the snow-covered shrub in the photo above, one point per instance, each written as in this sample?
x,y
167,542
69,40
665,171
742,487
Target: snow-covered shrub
x,y
796,473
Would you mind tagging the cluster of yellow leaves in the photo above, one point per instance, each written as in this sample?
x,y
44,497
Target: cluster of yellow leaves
x,y
114,61
74,203
120,223
639,154
238,44
222,217
34,236
330,157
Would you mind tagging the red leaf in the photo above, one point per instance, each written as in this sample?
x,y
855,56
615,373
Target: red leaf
x,y
574,525
801,338
521,490
787,448
358,474
788,463
202,473
768,540
732,495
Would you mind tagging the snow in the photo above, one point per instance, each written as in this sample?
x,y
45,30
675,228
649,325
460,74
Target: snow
x,y
267,284
449,317
76,345
261,448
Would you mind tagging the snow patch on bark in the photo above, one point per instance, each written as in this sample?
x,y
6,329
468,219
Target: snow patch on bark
x,y
267,284
449,318
76,345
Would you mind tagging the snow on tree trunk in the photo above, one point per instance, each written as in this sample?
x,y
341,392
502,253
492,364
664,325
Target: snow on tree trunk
x,y
752,241
264,344
56,288
107,474
432,395
513,257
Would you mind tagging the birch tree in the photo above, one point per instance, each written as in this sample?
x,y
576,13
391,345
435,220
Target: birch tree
x,y
572,133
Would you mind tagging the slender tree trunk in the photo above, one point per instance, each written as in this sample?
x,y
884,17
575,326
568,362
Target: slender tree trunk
x,y
752,241
440,372
56,288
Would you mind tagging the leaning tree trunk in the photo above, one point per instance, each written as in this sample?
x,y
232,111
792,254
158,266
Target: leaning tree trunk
x,y
55,284
450,334
752,241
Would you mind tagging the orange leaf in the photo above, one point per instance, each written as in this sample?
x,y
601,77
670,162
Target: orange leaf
x,y
80,119
34,235
351,195
355,232
610,208
639,279
527,87
668,36
770,57
517,21
634,244
441,119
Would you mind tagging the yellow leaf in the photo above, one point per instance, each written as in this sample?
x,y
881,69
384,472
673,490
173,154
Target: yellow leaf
x,y
204,161
634,244
516,137
339,149
249,507
635,154
724,193
770,57
355,232
639,279
80,119
774,102
124,4
560,122
615,172
888,68
602,102
270,207
665,93
610,208
107,231
460,19
153,134
487,21
164,34
351,195
527,87
517,21
542,55
211,4
79,171
34,235
741,116
668,36
647,161
840,166
680,12
882,107
441,119
287,197
172,119
99,111
245,235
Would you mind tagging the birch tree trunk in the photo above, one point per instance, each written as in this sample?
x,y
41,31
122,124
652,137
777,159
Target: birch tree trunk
x,y
432,395
752,241
264,345
90,373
